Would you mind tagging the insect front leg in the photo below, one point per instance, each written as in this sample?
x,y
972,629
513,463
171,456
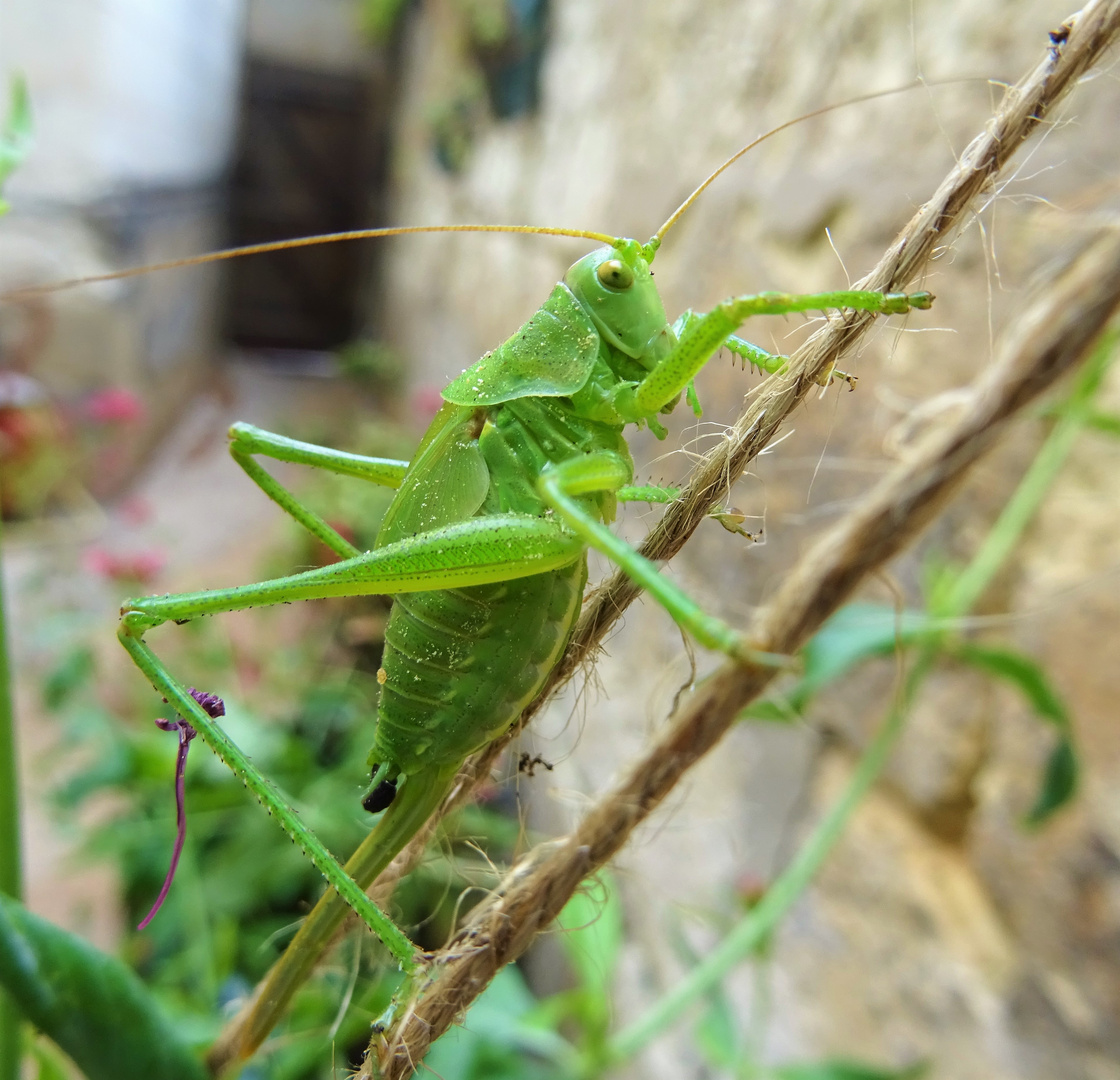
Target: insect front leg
x,y
705,334
749,353
247,441
605,471
759,359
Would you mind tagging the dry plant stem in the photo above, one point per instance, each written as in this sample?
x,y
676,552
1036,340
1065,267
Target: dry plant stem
x,y
1047,342
1044,345
1024,106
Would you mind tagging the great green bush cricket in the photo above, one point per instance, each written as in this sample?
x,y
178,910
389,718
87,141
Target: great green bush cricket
x,y
484,547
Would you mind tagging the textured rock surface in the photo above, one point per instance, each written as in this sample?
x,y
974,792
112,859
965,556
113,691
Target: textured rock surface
x,y
939,929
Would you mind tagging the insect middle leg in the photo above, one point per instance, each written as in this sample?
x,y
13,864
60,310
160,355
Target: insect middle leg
x,y
560,486
247,441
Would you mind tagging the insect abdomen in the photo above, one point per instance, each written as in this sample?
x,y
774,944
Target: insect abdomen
x,y
461,664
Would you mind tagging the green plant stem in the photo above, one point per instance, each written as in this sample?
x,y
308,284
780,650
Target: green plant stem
x,y
1075,413
753,928
10,878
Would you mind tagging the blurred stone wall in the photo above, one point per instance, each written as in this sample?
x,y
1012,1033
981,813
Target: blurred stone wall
x,y
939,929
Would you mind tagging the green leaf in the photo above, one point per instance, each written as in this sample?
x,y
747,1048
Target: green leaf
x,y
717,1031
1107,423
1059,783
848,1070
73,670
773,710
1060,777
717,1035
380,16
593,931
855,633
51,1064
497,1040
90,1004
15,136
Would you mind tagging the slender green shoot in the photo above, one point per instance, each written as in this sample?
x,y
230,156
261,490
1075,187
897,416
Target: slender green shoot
x,y
10,878
15,140
754,928
1074,414
15,137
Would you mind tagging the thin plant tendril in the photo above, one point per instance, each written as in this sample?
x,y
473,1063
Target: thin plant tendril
x,y
215,707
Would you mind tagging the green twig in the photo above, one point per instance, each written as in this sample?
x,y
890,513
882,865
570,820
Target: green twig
x,y
15,139
753,929
10,883
1074,414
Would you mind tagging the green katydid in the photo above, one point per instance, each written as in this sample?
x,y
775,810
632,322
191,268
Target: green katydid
x,y
484,546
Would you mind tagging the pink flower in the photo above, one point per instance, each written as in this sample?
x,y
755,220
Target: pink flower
x,y
141,567
426,402
114,405
135,510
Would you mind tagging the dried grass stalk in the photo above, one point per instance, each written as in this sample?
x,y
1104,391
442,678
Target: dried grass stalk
x,y
1024,107
1048,341
1045,343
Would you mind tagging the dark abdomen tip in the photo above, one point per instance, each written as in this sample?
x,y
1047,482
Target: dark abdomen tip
x,y
380,797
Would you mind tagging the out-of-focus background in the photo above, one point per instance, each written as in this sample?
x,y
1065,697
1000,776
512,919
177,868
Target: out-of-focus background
x,y
941,929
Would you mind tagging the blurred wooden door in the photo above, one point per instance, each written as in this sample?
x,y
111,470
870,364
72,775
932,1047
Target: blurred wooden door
x,y
309,159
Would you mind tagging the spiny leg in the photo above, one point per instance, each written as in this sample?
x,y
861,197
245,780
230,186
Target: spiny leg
x,y
706,333
499,547
247,441
647,493
406,815
604,471
759,359
394,938
481,550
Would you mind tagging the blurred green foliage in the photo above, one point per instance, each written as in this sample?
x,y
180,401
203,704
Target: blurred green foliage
x,y
15,135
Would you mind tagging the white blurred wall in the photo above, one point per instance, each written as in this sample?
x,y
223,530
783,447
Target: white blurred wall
x,y
134,106
125,92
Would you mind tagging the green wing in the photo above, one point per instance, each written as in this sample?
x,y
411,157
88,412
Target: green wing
x,y
550,356
446,482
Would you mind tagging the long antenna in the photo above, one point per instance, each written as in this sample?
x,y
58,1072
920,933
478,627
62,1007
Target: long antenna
x,y
305,241
648,249
654,242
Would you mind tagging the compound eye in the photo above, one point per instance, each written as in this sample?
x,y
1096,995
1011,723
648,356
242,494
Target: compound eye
x,y
615,274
